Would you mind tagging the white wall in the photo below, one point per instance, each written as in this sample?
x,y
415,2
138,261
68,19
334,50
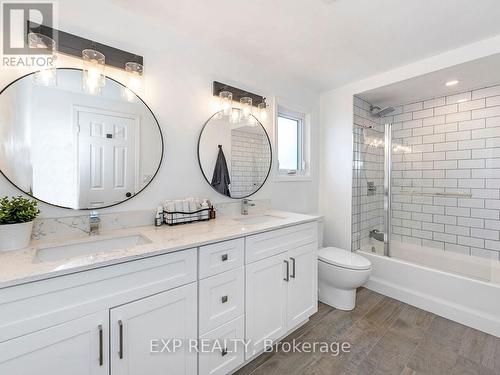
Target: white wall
x,y
336,134
179,75
15,135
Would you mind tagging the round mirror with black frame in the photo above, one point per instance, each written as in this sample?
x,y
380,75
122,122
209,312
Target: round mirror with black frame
x,y
234,154
72,149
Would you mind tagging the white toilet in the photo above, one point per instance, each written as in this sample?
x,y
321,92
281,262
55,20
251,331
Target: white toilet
x,y
340,272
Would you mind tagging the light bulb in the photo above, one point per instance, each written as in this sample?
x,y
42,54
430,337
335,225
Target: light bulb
x,y
226,102
93,79
246,107
47,76
135,76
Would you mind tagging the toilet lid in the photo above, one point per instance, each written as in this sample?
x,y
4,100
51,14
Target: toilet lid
x,y
343,258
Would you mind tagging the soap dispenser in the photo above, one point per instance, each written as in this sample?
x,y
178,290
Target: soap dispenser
x,y
159,216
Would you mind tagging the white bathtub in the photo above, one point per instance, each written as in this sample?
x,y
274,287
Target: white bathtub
x,y
459,287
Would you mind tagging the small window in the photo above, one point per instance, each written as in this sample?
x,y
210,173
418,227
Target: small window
x,y
290,143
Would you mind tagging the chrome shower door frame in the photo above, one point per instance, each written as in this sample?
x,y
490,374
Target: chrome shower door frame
x,y
387,188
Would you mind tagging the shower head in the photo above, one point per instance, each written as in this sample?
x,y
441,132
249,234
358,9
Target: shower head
x,y
381,112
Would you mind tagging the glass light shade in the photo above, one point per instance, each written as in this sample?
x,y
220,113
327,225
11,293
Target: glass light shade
x,y
263,111
226,102
134,80
135,76
93,79
246,107
47,76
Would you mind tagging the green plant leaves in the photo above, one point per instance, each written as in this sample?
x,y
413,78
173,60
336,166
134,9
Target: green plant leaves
x,y
17,210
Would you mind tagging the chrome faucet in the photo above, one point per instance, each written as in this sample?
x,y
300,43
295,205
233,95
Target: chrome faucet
x,y
245,203
94,222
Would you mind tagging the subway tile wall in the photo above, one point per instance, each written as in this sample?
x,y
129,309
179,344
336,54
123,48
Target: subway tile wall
x,y
455,148
368,166
250,160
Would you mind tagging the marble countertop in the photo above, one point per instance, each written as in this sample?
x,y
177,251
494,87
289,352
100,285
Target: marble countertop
x,y
24,266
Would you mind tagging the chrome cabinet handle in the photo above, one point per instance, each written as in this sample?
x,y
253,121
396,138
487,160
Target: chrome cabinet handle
x,y
224,257
292,275
120,329
101,355
287,277
224,299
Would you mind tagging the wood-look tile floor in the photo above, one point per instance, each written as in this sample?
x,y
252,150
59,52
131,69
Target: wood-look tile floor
x,y
387,337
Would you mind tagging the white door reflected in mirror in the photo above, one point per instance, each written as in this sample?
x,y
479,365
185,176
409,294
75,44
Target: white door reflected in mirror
x,y
68,148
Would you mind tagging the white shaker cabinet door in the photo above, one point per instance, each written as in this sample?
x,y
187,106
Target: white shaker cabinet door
x,y
77,347
164,316
302,294
266,293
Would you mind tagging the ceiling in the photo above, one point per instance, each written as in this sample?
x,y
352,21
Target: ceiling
x,y
320,43
471,75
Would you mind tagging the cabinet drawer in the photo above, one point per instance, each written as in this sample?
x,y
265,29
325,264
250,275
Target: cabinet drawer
x,y
221,257
221,299
230,337
267,244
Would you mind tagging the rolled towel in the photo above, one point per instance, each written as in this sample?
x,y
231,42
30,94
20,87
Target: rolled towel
x,y
169,207
192,208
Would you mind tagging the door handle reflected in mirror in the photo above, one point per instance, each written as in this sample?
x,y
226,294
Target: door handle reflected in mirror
x,y
128,194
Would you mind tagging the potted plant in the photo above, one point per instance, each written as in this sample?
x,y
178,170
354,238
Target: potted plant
x,y
16,222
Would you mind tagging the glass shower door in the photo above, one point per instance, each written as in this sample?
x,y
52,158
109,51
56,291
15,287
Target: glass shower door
x,y
368,215
387,188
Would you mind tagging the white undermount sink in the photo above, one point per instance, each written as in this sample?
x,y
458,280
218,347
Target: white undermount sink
x,y
92,246
258,219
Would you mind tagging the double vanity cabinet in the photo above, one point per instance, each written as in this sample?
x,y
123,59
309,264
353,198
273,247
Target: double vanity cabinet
x,y
142,315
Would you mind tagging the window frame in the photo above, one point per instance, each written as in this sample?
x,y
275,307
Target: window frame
x,y
304,173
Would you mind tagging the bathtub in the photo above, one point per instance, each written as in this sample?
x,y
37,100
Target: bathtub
x,y
463,288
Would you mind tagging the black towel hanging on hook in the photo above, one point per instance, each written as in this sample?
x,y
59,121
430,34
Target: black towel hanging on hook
x,y
220,178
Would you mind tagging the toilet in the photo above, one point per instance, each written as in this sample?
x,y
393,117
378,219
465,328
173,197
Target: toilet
x,y
340,272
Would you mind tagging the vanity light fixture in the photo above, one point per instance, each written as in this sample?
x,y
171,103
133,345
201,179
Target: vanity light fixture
x,y
452,83
95,56
246,107
243,112
93,78
47,76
